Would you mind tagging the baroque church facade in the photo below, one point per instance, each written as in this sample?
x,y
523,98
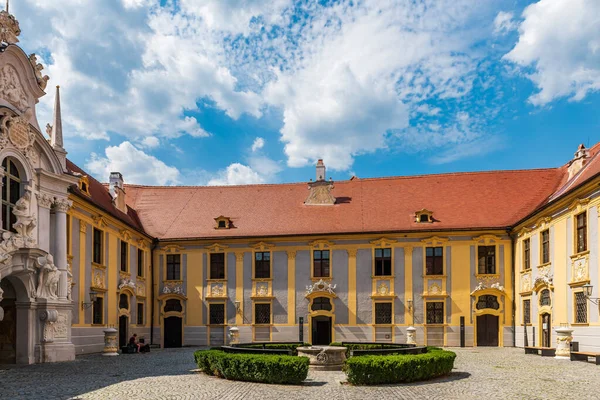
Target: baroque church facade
x,y
474,259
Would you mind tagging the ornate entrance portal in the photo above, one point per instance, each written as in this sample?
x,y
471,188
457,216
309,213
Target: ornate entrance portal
x,y
487,330
8,326
321,330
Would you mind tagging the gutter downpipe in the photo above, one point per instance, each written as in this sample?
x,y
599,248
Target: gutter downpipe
x,y
154,245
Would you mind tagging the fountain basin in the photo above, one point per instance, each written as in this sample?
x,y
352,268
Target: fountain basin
x,y
324,358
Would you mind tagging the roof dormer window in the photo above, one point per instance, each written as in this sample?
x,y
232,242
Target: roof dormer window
x,y
222,222
424,216
84,185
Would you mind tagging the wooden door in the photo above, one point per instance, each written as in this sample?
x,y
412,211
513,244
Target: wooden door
x,y
487,330
546,333
321,331
123,339
172,331
8,332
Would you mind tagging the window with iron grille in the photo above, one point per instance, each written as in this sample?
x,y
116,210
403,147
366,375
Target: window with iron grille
x,y
383,313
321,303
435,312
173,267
124,301
97,246
140,313
434,261
98,311
383,262
582,232
526,254
545,298
217,266
217,314
124,258
545,246
173,305
486,259
580,308
527,311
321,263
487,301
262,313
262,264
140,262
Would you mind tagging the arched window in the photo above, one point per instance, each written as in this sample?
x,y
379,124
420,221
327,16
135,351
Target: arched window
x,y
321,303
173,305
124,301
487,301
545,298
11,192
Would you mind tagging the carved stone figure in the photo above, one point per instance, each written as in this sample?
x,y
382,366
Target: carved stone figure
x,y
48,278
26,223
11,89
41,80
126,283
9,28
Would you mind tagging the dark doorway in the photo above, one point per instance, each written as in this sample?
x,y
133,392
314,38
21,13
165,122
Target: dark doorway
x,y
172,331
123,322
487,330
321,330
8,326
546,334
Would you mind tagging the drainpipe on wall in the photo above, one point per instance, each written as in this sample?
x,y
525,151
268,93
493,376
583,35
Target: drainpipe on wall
x,y
154,245
514,291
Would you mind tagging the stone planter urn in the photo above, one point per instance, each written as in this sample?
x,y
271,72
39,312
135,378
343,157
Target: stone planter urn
x,y
110,343
411,335
324,358
563,341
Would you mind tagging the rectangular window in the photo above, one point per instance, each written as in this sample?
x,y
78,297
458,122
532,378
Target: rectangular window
x,y
98,311
262,313
217,314
383,313
435,312
173,267
262,265
545,246
527,311
140,313
124,256
97,246
486,259
217,266
140,262
383,262
527,254
321,263
580,308
582,232
434,261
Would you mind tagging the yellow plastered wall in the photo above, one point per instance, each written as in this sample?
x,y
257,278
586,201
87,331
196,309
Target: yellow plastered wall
x,y
194,288
561,288
112,273
461,282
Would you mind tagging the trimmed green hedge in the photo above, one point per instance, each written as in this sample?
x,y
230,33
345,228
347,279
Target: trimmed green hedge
x,y
287,346
377,370
253,367
350,347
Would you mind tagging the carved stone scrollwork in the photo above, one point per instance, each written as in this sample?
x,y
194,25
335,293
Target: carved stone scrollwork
x,y
63,205
24,226
44,200
9,28
48,317
11,88
42,80
125,282
321,286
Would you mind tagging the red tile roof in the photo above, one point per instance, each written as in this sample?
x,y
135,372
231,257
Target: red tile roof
x,y
101,198
473,200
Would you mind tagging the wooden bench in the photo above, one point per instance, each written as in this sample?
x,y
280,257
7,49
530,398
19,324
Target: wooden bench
x,y
583,356
544,351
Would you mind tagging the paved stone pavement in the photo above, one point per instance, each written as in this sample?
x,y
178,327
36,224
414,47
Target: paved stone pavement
x,y
480,373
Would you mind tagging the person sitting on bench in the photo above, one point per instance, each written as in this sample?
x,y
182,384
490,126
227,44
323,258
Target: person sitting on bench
x,y
133,343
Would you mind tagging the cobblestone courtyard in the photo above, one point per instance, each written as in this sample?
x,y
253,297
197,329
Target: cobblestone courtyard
x,y
168,374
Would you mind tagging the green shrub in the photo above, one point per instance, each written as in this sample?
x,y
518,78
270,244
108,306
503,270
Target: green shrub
x,y
376,370
281,346
253,367
361,346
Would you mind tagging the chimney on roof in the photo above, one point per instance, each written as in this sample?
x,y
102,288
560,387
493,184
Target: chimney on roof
x,y
320,190
117,191
579,161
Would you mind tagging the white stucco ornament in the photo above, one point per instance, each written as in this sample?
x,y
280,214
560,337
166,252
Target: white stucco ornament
x,y
126,283
321,286
48,277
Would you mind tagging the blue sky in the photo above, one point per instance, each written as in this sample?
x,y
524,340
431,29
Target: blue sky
x,y
251,91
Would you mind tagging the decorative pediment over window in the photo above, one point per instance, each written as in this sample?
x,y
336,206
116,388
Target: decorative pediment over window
x,y
125,234
524,231
321,244
486,239
579,205
320,288
383,242
424,216
542,222
435,241
141,243
100,221
172,248
222,222
216,248
261,246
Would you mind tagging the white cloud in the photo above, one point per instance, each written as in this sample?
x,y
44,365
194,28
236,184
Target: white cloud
x,y
150,142
504,23
560,41
258,144
236,174
135,165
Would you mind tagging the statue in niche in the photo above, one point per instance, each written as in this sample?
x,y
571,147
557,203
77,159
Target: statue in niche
x,y
48,278
25,223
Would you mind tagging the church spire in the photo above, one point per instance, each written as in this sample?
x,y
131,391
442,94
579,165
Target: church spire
x,y
56,136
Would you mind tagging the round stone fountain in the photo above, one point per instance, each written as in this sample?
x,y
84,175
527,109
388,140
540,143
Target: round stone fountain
x,y
324,358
